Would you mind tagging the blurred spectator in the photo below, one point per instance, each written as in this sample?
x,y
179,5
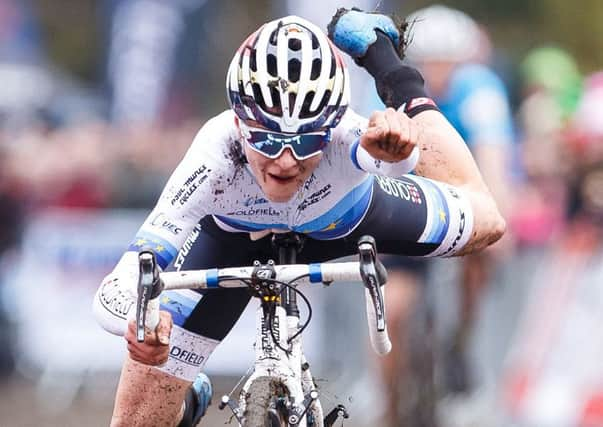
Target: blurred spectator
x,y
585,144
551,90
551,70
586,127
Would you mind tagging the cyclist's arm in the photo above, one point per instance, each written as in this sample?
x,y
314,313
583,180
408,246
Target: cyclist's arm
x,y
445,157
353,129
185,199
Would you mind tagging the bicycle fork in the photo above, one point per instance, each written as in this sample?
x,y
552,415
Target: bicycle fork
x,y
286,366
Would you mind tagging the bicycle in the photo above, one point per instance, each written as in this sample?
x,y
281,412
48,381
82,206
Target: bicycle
x,y
281,390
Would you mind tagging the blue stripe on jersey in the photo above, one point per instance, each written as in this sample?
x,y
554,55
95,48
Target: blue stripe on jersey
x,y
163,249
338,221
437,209
179,306
346,214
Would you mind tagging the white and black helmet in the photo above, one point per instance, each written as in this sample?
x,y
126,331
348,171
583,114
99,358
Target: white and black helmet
x,y
288,77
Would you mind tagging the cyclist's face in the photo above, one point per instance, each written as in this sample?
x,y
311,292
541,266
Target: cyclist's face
x,y
280,178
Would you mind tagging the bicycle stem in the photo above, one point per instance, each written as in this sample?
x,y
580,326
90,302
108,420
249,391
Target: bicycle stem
x,y
288,245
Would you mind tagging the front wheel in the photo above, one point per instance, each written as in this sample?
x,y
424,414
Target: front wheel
x,y
265,403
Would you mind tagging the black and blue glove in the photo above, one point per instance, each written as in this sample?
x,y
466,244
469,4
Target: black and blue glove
x,y
377,42
354,31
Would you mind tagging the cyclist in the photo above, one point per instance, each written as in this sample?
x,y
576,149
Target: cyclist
x,y
290,155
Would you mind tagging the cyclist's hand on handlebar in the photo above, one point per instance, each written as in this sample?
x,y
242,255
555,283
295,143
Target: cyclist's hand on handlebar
x,y
156,346
390,136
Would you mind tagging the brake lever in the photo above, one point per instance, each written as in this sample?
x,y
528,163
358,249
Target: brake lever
x,y
149,286
373,275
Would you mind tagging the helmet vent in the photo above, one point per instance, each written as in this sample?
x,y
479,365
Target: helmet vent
x,y
333,67
316,63
294,70
259,100
274,36
324,100
295,44
271,65
252,60
292,98
257,94
276,99
305,108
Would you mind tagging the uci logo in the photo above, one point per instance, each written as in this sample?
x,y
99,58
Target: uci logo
x,y
162,221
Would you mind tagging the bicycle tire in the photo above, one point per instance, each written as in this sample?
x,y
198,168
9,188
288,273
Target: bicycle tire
x,y
263,403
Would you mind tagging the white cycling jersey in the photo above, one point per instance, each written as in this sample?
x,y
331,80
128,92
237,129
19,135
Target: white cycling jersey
x,y
214,179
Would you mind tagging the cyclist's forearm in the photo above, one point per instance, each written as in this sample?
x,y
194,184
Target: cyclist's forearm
x,y
115,300
164,231
398,85
488,224
364,161
444,155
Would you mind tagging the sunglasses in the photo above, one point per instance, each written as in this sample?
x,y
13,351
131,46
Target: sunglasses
x,y
272,144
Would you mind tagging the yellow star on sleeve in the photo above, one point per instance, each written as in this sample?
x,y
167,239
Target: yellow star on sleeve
x,y
159,248
140,242
442,216
331,226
